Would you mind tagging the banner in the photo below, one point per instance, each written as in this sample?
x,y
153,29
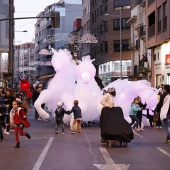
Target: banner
x,y
4,62
167,59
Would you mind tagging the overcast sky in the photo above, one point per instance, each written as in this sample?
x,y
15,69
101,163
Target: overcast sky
x,y
30,8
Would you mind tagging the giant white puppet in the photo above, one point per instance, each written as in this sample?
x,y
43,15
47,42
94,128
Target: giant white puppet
x,y
126,91
62,84
87,91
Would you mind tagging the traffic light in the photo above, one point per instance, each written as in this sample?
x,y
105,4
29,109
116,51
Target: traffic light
x,y
55,19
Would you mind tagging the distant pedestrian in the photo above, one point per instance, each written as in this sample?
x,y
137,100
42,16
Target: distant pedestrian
x,y
18,115
59,114
76,110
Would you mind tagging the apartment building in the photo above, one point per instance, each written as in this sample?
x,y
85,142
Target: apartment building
x,y
111,53
24,63
158,39
43,29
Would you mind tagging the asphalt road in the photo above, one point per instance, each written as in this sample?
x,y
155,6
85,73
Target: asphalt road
x,y
48,151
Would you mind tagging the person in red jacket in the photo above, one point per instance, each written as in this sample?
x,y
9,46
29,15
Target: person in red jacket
x,y
18,114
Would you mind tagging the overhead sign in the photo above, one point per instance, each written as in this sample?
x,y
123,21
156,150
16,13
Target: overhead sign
x,y
167,61
4,62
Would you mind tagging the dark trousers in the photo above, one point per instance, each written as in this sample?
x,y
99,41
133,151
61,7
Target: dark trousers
x,y
1,133
135,121
6,122
59,122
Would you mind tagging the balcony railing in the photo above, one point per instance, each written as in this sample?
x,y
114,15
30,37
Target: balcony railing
x,y
151,31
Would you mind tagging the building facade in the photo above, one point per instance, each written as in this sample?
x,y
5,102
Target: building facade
x,y
6,36
158,39
43,29
24,63
111,53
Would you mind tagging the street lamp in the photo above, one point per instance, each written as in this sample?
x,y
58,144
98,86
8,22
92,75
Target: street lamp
x,y
120,25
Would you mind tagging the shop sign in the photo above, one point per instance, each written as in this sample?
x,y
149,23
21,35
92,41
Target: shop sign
x,y
167,59
4,63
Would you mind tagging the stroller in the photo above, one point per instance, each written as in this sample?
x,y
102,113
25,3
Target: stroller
x,y
114,128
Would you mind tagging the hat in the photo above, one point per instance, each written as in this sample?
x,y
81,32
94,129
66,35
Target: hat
x,y
109,90
60,104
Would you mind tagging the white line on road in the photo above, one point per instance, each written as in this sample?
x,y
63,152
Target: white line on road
x,y
137,134
163,151
40,138
43,154
110,165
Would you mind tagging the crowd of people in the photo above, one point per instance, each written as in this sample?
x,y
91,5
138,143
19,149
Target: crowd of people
x,y
14,106
13,114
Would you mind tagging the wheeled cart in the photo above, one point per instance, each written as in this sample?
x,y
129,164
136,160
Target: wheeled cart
x,y
114,128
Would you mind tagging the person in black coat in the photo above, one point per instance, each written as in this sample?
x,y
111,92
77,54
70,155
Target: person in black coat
x,y
139,113
59,114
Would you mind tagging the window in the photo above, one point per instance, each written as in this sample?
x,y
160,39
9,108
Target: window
x,y
123,4
125,45
105,26
150,2
124,25
101,10
151,25
164,15
159,20
106,46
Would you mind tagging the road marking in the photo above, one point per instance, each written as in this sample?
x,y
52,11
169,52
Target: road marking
x,y
40,138
110,163
163,151
137,134
43,154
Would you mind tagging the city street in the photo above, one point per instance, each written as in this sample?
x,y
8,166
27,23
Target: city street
x,y
48,151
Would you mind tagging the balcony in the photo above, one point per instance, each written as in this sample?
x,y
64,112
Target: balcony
x,y
151,31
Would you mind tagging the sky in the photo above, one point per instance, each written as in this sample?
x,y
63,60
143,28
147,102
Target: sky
x,y
30,8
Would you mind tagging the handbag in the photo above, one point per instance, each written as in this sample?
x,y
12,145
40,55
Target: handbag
x,y
26,123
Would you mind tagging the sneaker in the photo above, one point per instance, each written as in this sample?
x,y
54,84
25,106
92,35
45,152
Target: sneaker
x,y
39,118
79,132
63,133
2,140
5,131
103,141
73,132
56,132
168,141
160,127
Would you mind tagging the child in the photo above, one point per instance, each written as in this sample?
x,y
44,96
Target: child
x,y
2,117
17,114
133,112
59,114
77,117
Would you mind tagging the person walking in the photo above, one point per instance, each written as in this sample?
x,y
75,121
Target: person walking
x,y
164,110
9,98
139,113
133,112
18,115
76,110
59,114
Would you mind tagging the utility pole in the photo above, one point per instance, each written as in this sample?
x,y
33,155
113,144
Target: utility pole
x,y
11,36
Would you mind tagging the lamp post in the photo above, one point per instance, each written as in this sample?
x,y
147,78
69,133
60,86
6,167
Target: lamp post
x,y
120,25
